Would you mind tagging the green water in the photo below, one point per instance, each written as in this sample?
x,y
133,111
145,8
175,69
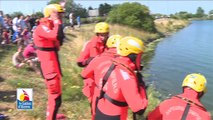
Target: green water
x,y
190,50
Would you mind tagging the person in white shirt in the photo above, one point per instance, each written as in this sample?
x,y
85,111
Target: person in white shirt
x,y
15,23
71,18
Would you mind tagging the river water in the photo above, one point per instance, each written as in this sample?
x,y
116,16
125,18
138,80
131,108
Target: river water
x,y
190,50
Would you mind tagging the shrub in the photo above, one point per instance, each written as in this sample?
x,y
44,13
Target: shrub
x,y
132,14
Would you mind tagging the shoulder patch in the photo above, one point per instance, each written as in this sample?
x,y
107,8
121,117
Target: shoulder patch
x,y
125,75
45,28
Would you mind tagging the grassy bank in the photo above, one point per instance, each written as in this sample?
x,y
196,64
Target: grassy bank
x,y
168,26
75,105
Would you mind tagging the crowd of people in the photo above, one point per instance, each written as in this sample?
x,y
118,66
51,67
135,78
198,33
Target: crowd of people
x,y
18,31
112,77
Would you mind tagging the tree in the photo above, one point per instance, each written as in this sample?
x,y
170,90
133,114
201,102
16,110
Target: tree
x,y
39,14
70,6
132,14
157,15
53,2
200,12
15,14
211,12
182,15
104,9
90,8
78,10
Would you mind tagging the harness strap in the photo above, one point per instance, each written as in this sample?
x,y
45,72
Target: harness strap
x,y
124,66
115,102
190,102
105,78
186,111
46,49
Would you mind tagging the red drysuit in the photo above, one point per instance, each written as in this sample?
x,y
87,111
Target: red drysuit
x,y
45,39
91,49
121,86
173,108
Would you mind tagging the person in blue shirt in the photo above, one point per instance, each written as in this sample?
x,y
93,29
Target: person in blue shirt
x,y
1,24
1,19
16,35
79,21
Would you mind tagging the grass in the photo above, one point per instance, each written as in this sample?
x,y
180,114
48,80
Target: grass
x,y
168,26
74,105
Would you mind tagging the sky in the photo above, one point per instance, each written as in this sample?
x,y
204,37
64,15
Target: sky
x,y
158,6
24,6
155,6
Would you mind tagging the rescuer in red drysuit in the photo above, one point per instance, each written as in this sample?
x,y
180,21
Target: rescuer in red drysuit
x,y
47,41
108,54
185,106
121,88
95,46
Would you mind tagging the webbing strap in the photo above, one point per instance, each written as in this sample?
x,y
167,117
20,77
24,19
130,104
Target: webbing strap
x,y
115,102
186,111
190,102
46,49
105,78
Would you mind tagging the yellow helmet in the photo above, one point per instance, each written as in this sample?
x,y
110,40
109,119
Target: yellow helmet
x,y
129,45
195,81
102,27
51,7
113,41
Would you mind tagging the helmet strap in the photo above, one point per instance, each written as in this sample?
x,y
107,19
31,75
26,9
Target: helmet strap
x,y
133,57
200,94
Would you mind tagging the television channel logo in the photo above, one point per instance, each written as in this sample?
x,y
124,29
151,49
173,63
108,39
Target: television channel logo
x,y
24,98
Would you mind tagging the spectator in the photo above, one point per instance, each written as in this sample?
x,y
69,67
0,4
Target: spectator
x,y
32,21
5,36
15,23
71,18
1,24
26,36
29,54
1,19
26,20
22,23
18,59
35,25
17,36
79,21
